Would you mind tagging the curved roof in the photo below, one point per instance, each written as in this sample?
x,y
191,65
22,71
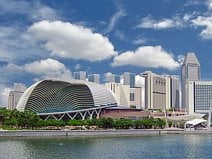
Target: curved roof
x,y
53,95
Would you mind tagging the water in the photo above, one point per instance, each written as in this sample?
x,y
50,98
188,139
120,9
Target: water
x,y
145,147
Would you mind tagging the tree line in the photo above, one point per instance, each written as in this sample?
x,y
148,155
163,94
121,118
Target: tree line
x,y
14,119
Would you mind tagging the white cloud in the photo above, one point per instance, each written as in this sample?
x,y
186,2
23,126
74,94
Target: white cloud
x,y
206,22
17,46
209,4
115,18
147,56
72,41
149,22
32,9
48,68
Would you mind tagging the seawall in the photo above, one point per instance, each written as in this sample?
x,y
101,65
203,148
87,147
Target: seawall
x,y
96,133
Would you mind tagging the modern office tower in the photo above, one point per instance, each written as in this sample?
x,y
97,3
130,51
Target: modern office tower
x,y
94,78
81,75
199,96
112,78
129,79
15,95
155,91
174,94
136,97
122,93
190,72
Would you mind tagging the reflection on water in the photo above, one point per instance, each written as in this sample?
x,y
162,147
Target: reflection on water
x,y
170,146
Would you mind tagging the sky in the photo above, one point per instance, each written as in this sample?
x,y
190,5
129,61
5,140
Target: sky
x,y
54,38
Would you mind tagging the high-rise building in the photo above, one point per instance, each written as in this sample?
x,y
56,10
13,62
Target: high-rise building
x,y
15,95
190,72
94,78
81,75
129,79
112,78
174,92
199,96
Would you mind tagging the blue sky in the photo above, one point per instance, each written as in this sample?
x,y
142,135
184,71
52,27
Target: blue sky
x,y
52,38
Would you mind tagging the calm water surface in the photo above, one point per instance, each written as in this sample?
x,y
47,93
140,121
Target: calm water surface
x,y
146,147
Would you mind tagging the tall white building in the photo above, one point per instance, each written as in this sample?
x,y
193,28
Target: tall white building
x,y
199,96
161,91
173,92
81,75
15,95
112,78
94,78
129,79
155,91
190,72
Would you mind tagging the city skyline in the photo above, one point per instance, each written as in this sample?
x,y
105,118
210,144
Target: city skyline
x,y
44,39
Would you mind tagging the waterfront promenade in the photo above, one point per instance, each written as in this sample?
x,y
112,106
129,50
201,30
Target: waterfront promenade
x,y
96,133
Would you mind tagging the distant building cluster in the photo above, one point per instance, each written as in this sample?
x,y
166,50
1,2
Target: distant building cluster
x,y
15,95
151,92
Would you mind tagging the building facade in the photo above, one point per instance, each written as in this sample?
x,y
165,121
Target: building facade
x,y
190,72
94,78
15,95
199,96
81,75
161,91
109,78
136,97
129,79
122,93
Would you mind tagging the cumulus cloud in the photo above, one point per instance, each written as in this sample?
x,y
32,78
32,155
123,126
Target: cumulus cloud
x,y
16,46
48,68
147,56
149,22
206,22
209,4
72,41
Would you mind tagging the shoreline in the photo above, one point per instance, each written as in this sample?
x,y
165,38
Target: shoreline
x,y
98,133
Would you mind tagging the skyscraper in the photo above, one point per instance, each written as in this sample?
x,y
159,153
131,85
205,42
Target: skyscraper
x,y
174,92
190,72
155,91
129,79
15,95
94,78
81,75
112,78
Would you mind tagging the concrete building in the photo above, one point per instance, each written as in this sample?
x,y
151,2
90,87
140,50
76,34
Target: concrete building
x,y
190,72
172,92
15,95
136,97
109,78
155,91
94,78
129,79
81,75
199,96
122,93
